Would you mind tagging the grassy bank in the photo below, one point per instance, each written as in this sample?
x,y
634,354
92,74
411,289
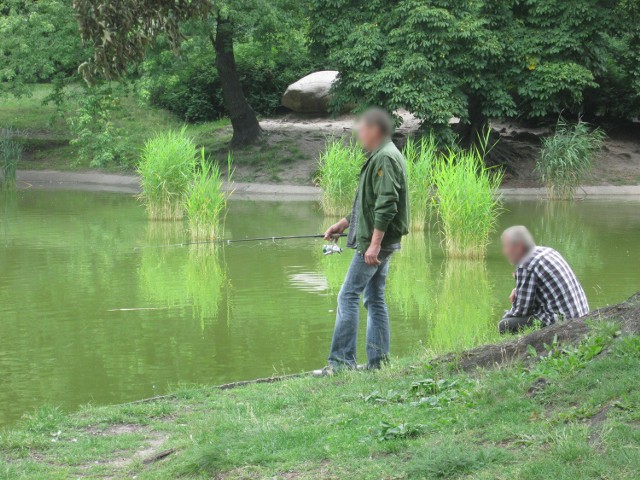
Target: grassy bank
x,y
45,136
571,415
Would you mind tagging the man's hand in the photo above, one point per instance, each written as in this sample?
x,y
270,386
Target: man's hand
x,y
512,297
336,229
371,255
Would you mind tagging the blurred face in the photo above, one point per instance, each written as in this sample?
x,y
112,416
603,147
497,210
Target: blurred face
x,y
369,136
513,251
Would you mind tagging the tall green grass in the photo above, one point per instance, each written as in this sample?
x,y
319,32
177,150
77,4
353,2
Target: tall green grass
x,y
166,170
466,201
338,169
420,156
206,200
10,155
567,157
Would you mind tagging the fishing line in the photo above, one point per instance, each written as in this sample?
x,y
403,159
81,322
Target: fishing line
x,y
240,240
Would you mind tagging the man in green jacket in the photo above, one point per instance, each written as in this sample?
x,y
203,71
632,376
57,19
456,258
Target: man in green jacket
x,y
378,220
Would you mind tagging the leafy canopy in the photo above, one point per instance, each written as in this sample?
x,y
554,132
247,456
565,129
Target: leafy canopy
x,y
473,59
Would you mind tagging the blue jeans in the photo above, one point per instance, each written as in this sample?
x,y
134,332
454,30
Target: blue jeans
x,y
370,280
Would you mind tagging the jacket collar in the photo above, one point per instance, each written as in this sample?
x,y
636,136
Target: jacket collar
x,y
370,155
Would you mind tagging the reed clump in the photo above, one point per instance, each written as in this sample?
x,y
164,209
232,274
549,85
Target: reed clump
x,y
566,158
166,170
466,201
338,169
420,156
10,156
206,200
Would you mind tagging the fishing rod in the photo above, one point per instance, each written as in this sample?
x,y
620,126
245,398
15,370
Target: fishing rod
x,y
255,239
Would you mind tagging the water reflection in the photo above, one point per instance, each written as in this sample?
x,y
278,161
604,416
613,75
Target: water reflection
x,y
464,313
207,284
561,226
192,276
334,267
410,286
9,211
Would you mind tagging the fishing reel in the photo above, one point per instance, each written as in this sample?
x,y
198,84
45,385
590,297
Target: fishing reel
x,y
331,248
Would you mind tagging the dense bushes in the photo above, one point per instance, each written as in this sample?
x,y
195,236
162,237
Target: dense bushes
x,y
188,85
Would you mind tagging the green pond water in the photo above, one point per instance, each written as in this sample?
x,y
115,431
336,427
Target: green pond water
x,y
85,317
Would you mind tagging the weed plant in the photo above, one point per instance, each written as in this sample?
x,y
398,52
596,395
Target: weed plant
x,y
567,158
467,201
10,155
338,170
206,201
166,171
421,156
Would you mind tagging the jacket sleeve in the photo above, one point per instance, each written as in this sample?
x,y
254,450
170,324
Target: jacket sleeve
x,y
525,294
386,187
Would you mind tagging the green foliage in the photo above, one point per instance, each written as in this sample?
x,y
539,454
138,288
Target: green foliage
x,y
466,201
338,169
472,60
166,169
420,157
566,158
189,86
390,431
91,123
560,359
10,155
206,200
39,42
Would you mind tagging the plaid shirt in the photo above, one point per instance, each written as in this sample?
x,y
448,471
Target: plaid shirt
x,y
547,288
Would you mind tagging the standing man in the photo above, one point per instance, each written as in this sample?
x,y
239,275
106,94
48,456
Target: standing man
x,y
378,220
546,287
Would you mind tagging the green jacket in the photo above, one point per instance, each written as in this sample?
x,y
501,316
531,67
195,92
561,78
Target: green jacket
x,y
382,199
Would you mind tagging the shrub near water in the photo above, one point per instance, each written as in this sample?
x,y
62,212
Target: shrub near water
x,y
206,201
420,157
338,171
567,158
166,170
466,202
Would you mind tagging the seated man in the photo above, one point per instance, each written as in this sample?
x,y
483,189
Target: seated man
x,y
546,287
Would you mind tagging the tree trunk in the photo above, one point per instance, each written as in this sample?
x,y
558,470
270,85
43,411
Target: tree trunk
x,y
246,129
477,122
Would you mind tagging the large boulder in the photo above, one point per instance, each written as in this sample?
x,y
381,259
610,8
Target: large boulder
x,y
310,94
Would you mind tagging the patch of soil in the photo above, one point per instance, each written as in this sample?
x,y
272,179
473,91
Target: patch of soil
x,y
570,331
148,452
293,143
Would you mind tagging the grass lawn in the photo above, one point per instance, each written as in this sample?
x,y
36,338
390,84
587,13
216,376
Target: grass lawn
x,y
571,415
